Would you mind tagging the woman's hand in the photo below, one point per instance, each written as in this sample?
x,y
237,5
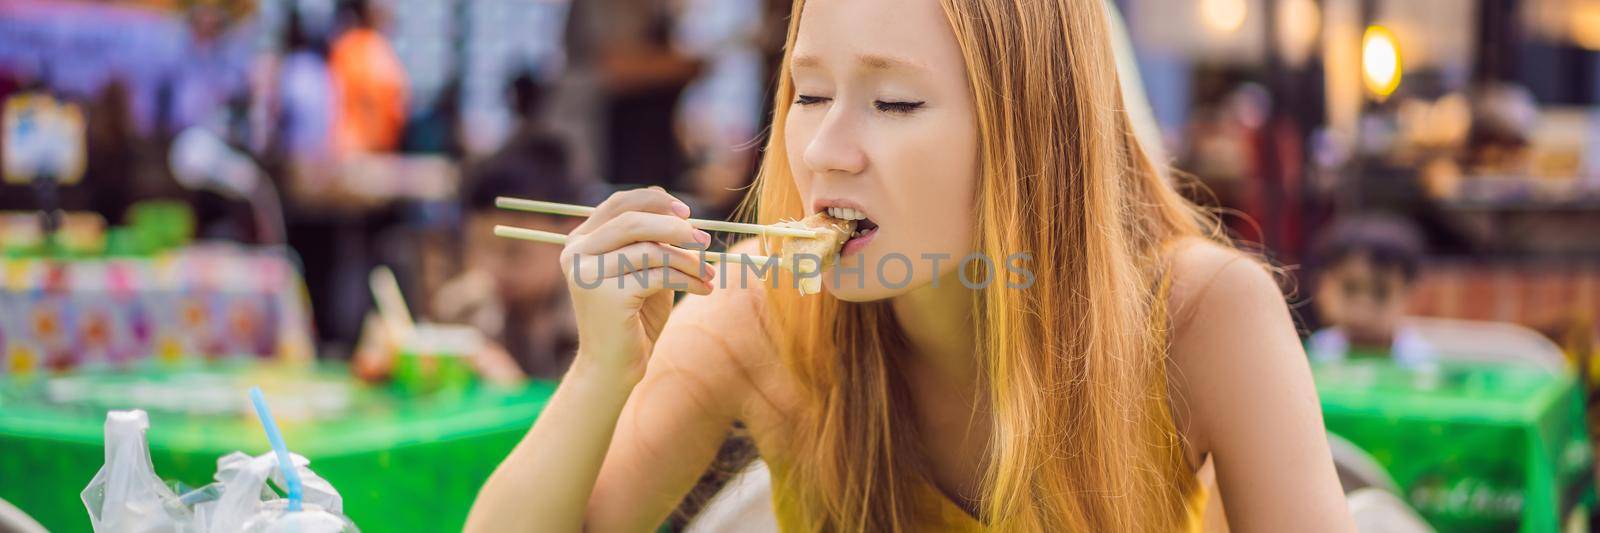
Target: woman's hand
x,y
621,275
622,266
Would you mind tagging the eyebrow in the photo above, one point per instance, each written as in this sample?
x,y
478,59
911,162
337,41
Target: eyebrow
x,y
867,61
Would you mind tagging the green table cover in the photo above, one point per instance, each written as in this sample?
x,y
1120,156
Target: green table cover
x,y
1473,446
402,463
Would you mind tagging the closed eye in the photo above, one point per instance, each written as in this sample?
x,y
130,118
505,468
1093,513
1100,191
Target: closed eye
x,y
810,100
897,107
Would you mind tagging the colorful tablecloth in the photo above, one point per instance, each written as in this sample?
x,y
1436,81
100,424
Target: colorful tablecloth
x,y
1473,446
401,462
207,302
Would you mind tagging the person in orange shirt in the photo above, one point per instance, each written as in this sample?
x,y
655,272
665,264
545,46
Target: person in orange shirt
x,y
370,82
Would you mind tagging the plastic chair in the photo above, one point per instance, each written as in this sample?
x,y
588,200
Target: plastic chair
x,y
1371,492
1378,511
13,520
1357,469
1472,340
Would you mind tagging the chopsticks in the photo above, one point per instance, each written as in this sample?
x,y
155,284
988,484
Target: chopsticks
x,y
553,208
550,237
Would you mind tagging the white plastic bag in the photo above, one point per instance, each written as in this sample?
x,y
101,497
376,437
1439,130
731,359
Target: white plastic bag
x,y
126,495
275,517
248,505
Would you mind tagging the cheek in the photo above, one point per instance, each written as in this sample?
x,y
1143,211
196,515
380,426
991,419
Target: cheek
x,y
1399,299
1329,298
935,187
797,133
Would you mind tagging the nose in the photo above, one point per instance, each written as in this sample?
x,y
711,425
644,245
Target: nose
x,y
834,147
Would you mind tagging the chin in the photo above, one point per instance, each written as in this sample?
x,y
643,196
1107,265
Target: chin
x,y
865,285
857,278
858,293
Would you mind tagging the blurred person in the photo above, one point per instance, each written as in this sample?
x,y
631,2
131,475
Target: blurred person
x,y
526,97
719,114
112,157
307,97
370,83
616,99
1504,119
991,127
514,294
442,127
1366,268
213,73
504,38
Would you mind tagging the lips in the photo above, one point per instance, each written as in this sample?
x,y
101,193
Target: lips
x,y
844,209
862,238
863,224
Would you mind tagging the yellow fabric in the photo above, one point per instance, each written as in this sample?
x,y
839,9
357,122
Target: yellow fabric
x,y
945,514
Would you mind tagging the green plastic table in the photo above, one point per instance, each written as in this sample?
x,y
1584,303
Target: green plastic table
x,y
402,463
1472,446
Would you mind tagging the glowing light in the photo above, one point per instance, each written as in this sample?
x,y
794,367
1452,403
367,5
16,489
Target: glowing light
x,y
1223,16
1381,68
1299,26
1585,25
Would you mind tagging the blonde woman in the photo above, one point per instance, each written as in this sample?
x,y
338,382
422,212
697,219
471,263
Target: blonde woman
x,y
1100,344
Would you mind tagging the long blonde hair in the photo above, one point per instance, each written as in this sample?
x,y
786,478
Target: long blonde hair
x,y
1074,367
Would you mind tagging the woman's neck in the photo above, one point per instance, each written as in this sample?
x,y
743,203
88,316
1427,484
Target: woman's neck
x,y
938,324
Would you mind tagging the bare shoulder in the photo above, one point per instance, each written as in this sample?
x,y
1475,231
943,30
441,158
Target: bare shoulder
x,y
1205,275
1244,395
713,340
733,311
1233,342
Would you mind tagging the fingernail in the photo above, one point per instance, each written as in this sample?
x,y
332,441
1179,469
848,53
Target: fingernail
x,y
711,273
680,208
702,237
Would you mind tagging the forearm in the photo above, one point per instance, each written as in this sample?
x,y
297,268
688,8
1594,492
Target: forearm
x,y
548,478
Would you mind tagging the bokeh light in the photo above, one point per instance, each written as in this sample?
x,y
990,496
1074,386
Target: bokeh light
x,y
1224,16
1381,67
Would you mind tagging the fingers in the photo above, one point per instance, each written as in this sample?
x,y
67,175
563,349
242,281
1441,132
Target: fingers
x,y
648,200
655,280
641,256
638,226
639,285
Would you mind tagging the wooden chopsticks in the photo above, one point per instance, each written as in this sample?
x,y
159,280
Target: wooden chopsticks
x,y
550,237
553,208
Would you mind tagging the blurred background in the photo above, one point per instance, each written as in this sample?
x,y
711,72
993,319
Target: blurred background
x,y
199,182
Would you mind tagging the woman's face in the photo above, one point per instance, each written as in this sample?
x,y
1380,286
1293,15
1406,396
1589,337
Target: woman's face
x,y
883,123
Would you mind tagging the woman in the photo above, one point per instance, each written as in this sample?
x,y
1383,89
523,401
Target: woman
x,y
1080,391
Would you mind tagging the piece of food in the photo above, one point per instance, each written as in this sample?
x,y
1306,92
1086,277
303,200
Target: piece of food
x,y
807,258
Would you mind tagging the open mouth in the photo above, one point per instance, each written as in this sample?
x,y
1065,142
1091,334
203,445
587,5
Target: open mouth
x,y
865,228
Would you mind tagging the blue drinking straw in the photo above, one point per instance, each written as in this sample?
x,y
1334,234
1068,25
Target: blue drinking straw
x,y
290,475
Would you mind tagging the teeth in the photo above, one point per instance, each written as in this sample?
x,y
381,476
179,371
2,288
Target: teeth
x,y
845,213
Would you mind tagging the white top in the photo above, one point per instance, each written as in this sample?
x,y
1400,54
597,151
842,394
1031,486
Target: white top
x,y
1332,345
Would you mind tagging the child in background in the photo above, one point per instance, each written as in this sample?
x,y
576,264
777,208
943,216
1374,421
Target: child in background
x,y
513,293
1366,268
